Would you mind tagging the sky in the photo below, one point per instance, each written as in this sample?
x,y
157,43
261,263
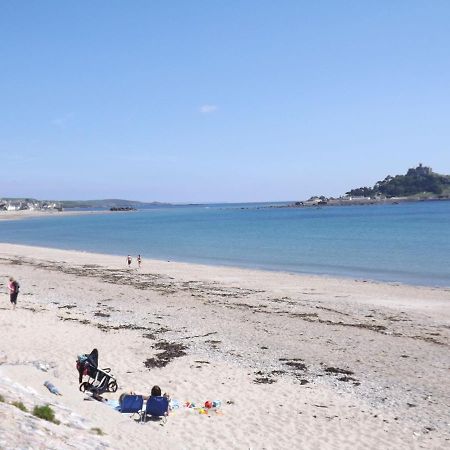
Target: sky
x,y
219,101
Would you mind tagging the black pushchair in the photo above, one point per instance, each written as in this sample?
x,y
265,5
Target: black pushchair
x,y
98,380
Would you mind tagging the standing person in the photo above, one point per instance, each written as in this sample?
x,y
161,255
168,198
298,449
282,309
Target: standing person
x,y
139,260
129,261
13,288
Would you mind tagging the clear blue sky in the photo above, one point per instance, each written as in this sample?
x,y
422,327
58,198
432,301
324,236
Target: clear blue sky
x,y
195,101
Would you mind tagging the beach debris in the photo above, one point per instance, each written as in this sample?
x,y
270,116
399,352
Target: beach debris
x,y
152,336
200,364
345,372
200,335
52,388
170,351
42,365
294,363
337,370
263,378
348,379
213,343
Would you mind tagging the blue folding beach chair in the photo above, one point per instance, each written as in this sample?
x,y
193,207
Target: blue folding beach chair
x,y
157,407
132,404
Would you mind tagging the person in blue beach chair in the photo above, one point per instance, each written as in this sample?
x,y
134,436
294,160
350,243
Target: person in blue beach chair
x,y
157,405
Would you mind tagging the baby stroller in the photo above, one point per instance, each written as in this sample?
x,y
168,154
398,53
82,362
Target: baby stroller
x,y
98,380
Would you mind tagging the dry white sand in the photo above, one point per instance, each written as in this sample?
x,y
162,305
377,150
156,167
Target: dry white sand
x,y
297,361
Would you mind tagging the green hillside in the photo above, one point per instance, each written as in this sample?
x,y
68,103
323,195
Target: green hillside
x,y
419,181
106,203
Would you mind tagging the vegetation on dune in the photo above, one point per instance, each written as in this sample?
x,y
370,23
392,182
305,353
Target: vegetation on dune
x,y
20,405
98,431
46,413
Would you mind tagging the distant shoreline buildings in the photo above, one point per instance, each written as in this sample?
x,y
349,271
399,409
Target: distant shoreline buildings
x,y
28,205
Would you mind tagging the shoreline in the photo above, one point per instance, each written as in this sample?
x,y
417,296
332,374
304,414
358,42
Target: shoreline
x,y
253,276
370,270
249,267
332,352
366,202
28,214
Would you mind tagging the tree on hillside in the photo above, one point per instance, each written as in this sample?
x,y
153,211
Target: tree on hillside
x,y
418,180
361,192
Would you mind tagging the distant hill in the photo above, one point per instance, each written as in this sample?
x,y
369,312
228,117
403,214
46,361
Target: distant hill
x,y
67,204
417,181
108,203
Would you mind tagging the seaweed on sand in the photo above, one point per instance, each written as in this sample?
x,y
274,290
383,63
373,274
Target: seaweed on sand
x,y
170,351
337,370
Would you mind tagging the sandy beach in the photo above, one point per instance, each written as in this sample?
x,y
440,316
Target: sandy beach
x,y
28,214
296,361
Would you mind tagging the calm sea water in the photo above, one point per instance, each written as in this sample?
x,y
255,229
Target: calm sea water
x,y
407,243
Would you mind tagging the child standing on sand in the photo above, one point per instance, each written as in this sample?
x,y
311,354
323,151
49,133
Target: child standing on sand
x,y
129,261
139,260
13,288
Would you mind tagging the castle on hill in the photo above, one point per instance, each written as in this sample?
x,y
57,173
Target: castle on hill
x,y
420,171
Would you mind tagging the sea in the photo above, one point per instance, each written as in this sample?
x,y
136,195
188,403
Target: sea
x,y
399,243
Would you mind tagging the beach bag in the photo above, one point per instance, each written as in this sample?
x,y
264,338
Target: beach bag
x,y
16,287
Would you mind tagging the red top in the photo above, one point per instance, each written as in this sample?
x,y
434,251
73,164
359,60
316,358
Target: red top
x,y
12,287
